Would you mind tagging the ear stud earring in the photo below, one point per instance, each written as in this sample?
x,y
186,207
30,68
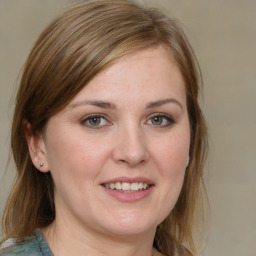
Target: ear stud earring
x,y
41,165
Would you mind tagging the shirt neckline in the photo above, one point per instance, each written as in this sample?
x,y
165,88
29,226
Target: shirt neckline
x,y
43,245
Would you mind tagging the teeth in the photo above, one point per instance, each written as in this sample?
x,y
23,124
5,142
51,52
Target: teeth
x,y
118,185
126,186
140,185
135,186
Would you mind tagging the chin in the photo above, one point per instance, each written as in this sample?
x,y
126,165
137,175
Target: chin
x,y
132,225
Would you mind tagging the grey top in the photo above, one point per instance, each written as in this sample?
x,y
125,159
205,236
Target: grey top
x,y
35,245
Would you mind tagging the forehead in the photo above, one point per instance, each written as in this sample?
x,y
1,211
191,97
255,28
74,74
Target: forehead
x,y
143,74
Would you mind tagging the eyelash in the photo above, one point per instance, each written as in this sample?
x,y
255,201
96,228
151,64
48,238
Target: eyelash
x,y
169,120
90,118
165,118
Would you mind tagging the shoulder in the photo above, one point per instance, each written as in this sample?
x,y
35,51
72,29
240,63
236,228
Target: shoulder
x,y
27,247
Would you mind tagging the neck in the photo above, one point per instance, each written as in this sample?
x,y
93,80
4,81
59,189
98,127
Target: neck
x,y
65,239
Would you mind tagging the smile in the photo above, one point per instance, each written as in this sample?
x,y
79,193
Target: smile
x,y
127,186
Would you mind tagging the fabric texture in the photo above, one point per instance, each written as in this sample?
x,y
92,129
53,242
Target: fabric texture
x,y
35,245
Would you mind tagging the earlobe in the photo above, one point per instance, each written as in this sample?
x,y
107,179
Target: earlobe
x,y
36,148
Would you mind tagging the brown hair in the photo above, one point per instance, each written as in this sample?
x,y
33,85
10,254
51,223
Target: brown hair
x,y
73,49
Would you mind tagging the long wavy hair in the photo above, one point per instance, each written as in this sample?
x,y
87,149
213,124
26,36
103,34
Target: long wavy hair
x,y
71,51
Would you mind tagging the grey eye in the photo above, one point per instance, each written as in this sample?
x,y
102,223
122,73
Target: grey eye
x,y
160,120
94,121
157,120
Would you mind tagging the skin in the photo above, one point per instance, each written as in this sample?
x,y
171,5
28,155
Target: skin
x,y
143,132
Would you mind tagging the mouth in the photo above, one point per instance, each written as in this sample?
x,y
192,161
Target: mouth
x,y
127,187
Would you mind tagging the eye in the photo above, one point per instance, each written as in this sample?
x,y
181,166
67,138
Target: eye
x,y
95,121
160,120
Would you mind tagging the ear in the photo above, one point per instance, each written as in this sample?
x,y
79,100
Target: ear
x,y
37,150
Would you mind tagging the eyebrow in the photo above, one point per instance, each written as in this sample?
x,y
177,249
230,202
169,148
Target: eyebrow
x,y
163,102
108,105
97,103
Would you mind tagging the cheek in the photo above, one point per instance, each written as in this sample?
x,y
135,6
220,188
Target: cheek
x,y
74,156
172,153
74,165
171,159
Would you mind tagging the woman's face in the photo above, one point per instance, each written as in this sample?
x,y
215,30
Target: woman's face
x,y
118,152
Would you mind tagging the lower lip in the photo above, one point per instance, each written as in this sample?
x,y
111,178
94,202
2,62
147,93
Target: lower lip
x,y
129,196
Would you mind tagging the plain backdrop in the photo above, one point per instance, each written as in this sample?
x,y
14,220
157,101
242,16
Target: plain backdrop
x,y
223,34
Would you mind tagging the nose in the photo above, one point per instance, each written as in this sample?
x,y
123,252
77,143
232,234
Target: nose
x,y
130,147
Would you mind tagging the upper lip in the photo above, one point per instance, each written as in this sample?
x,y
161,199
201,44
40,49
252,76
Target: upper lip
x,y
129,180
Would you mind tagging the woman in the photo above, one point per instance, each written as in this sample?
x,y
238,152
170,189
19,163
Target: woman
x,y
108,137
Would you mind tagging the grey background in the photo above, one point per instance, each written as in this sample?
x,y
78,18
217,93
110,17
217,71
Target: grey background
x,y
223,34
